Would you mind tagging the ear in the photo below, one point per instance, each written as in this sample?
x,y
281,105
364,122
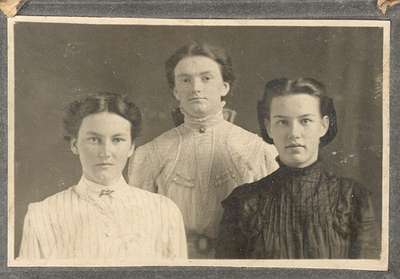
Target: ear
x,y
225,89
131,149
267,125
176,95
324,125
74,147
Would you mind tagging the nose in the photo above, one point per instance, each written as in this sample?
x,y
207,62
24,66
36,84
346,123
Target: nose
x,y
197,85
105,149
295,130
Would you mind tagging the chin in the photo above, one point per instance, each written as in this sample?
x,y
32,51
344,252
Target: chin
x,y
199,114
106,180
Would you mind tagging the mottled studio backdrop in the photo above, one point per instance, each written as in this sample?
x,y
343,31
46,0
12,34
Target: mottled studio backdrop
x,y
55,63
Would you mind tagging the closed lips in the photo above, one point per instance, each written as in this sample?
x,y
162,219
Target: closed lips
x,y
294,145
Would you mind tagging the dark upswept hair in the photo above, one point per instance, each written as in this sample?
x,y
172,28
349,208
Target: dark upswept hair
x,y
283,87
121,105
200,49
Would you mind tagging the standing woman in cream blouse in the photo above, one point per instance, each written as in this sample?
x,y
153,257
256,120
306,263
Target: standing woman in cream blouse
x,y
102,217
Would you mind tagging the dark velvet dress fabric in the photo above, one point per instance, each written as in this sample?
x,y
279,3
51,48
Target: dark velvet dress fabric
x,y
294,213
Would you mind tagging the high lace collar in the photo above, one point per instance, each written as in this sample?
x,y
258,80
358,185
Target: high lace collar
x,y
202,123
94,190
314,167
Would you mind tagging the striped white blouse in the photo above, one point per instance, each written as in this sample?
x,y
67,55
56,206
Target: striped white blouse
x,y
96,222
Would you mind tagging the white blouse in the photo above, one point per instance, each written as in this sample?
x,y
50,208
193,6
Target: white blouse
x,y
96,222
198,164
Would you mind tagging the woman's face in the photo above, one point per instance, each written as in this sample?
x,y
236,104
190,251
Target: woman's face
x,y
296,127
199,86
104,145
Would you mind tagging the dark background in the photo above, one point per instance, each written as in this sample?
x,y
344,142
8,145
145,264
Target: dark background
x,y
55,63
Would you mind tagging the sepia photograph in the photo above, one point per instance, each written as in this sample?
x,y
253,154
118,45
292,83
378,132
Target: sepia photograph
x,y
171,142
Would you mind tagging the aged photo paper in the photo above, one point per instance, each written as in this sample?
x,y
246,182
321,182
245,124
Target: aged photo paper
x,y
54,60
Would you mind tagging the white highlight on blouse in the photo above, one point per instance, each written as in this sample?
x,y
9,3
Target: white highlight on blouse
x,y
92,221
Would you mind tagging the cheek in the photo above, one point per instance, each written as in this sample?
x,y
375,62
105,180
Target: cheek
x,y
279,138
217,86
182,89
87,154
123,153
313,133
278,132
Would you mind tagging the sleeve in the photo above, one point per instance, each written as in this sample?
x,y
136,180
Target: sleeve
x,y
263,160
365,238
269,155
143,168
177,246
30,247
231,242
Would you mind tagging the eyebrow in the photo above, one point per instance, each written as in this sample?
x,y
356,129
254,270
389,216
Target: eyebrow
x,y
303,115
100,135
92,133
201,73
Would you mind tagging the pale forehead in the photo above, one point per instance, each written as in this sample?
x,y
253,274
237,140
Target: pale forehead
x,y
105,123
295,105
195,65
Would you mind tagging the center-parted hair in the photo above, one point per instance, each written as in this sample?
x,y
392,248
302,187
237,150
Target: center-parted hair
x,y
200,49
121,105
284,87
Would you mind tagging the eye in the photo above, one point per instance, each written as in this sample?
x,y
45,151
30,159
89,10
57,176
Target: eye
x,y
281,122
118,140
206,78
93,140
184,79
306,121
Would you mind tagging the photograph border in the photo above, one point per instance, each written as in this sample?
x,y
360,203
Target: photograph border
x,y
381,264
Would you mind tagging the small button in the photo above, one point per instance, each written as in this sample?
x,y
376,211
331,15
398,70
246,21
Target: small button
x,y
202,130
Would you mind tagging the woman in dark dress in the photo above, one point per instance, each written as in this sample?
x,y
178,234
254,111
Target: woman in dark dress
x,y
301,211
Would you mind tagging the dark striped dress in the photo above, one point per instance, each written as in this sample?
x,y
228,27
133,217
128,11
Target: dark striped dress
x,y
91,221
303,213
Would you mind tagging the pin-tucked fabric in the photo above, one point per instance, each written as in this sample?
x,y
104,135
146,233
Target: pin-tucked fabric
x,y
91,221
299,214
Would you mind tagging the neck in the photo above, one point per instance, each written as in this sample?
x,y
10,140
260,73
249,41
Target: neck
x,y
202,122
299,166
105,184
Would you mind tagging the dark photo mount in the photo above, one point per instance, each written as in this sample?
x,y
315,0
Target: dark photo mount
x,y
206,9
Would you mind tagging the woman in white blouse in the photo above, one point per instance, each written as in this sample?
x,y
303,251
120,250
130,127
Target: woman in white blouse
x,y
102,217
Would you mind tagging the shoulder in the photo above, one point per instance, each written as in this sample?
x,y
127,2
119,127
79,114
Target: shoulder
x,y
164,141
150,198
52,204
167,137
238,133
168,206
344,184
255,190
248,191
352,189
238,138
348,190
156,202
